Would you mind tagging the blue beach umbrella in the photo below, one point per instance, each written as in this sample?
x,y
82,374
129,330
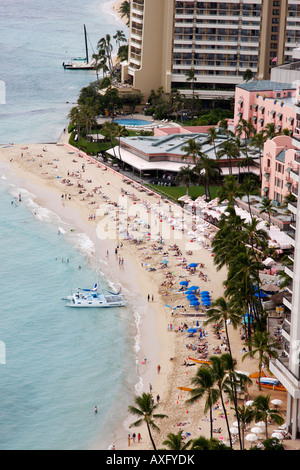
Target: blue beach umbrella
x,y
192,330
184,283
261,294
195,303
193,288
204,292
191,298
164,261
193,265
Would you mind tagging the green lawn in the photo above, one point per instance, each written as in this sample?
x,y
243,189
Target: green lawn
x,y
175,192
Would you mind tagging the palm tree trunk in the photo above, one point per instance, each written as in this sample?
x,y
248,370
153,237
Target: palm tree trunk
x,y
226,417
150,435
211,421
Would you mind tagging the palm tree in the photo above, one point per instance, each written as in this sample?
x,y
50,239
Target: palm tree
x,y
245,415
185,174
208,169
247,130
191,77
270,131
258,141
230,191
124,11
220,373
120,37
263,412
105,49
145,410
249,188
204,382
174,442
228,235
268,208
228,149
263,345
192,149
221,313
241,281
231,386
212,137
201,443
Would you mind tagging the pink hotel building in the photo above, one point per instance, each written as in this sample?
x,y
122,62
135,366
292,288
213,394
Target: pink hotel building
x,y
265,102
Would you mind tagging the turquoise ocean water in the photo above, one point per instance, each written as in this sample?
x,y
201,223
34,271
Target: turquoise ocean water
x,y
56,363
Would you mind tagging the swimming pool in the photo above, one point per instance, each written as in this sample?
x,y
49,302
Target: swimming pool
x,y
132,122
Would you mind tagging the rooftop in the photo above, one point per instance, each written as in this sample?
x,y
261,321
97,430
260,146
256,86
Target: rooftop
x,y
171,144
266,85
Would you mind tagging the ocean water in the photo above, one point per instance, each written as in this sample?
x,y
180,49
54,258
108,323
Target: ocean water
x,y
56,363
36,38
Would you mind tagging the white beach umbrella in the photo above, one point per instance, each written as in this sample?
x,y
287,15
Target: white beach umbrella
x,y
234,431
257,430
251,437
278,435
235,424
249,402
260,423
277,402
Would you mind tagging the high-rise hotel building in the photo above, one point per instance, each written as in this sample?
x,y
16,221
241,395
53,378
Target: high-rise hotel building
x,y
219,40
287,366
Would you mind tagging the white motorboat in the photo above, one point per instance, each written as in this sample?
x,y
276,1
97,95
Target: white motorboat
x,y
89,298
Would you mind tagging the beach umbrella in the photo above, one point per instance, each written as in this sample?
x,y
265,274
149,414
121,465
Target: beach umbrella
x,y
193,288
249,403
205,292
192,330
260,423
235,424
164,261
191,297
277,402
184,283
251,437
257,430
261,295
234,431
193,265
195,303
278,435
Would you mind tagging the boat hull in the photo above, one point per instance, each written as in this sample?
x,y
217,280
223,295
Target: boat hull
x,y
95,305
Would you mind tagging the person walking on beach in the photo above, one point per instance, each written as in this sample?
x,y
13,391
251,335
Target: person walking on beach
x,y
139,437
158,369
148,297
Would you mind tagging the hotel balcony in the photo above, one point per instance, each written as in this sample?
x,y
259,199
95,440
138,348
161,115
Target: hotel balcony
x,y
294,174
289,271
287,300
295,190
291,238
292,207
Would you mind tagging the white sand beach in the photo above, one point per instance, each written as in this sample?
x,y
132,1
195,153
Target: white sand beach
x,y
85,192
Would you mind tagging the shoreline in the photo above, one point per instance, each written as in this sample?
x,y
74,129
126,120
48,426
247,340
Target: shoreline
x,y
73,216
